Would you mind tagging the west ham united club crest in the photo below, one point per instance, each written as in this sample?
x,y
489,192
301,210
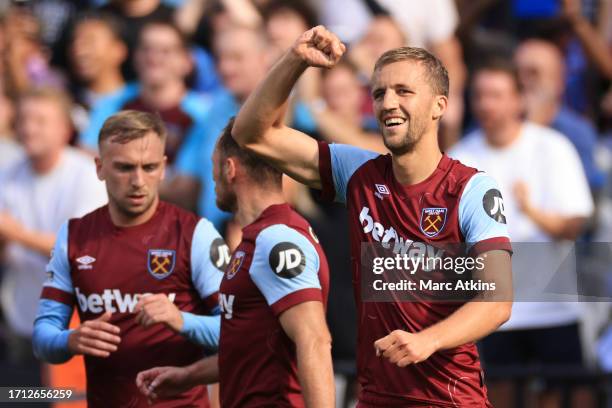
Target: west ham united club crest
x,y
235,264
433,221
160,262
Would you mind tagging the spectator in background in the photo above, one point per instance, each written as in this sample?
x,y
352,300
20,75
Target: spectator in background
x,y
26,57
96,53
286,20
51,184
545,199
9,149
337,109
163,63
134,15
242,61
593,44
541,72
383,33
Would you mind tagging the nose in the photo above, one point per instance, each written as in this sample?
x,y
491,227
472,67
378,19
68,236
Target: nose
x,y
389,101
137,179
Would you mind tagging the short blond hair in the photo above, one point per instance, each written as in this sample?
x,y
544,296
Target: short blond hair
x,y
57,96
128,125
437,74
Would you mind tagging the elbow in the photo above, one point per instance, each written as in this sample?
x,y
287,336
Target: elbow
x,y
243,132
239,134
503,313
316,343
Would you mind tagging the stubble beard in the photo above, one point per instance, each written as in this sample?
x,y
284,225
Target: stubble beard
x,y
409,142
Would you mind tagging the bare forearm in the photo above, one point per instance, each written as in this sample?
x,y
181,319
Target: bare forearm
x,y
316,373
267,102
40,242
336,130
204,371
469,323
594,45
557,226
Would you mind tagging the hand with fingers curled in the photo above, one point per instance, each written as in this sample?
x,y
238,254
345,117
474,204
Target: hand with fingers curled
x,y
163,382
97,338
157,308
402,348
319,47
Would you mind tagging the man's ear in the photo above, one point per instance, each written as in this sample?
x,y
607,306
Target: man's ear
x,y
229,169
163,167
98,162
439,106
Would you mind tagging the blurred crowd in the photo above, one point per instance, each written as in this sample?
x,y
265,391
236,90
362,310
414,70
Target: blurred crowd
x,y
530,102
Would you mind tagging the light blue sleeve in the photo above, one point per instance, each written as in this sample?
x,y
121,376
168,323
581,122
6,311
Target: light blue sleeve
x,y
345,160
202,330
481,210
50,336
209,257
58,268
284,262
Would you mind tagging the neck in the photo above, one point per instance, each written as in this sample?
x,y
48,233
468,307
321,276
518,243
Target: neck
x,y
121,219
163,96
138,8
544,114
504,136
43,165
107,83
252,202
415,166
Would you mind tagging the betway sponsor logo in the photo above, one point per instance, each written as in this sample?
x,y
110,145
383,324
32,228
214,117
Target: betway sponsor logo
x,y
389,238
111,300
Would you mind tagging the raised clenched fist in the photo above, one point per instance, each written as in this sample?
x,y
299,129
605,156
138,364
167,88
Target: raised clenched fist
x,y
319,47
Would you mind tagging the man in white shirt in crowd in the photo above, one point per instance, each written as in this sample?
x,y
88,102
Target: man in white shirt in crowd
x,y
546,201
50,184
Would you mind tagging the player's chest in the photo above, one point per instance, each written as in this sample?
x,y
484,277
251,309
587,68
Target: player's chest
x,y
238,294
378,214
150,264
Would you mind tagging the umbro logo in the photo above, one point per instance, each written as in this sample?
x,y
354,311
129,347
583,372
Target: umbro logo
x,y
85,262
381,190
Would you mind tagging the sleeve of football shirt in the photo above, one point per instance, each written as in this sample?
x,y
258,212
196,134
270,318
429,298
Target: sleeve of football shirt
x,y
50,337
337,164
481,215
285,268
209,258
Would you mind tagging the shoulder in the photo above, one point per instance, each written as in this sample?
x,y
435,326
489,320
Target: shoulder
x,y
568,119
285,249
79,227
179,214
469,142
547,140
195,105
76,157
15,171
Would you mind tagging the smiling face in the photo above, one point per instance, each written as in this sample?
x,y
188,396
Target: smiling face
x,y
405,105
496,101
42,126
133,172
95,50
241,60
160,56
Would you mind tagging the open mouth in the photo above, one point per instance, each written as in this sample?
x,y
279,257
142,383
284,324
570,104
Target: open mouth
x,y
393,122
136,197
